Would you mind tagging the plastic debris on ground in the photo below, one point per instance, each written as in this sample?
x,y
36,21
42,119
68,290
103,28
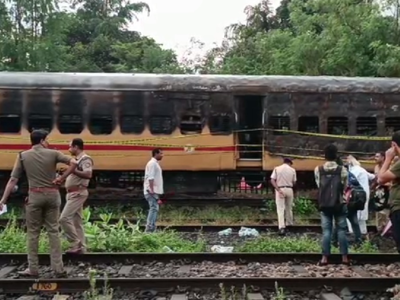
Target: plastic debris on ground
x,y
221,249
244,231
225,232
167,249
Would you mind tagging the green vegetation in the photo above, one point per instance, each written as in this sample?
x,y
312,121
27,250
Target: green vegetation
x,y
296,244
126,237
104,237
313,37
302,37
208,214
304,209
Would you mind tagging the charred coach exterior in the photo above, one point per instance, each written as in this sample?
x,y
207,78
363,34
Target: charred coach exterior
x,y
205,123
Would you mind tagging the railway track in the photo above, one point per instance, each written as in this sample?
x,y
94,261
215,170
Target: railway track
x,y
169,272
188,201
215,228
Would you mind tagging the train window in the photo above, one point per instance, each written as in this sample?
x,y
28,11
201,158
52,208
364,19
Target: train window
x,y
131,124
337,125
279,123
366,126
308,124
69,124
392,125
191,124
37,121
101,124
161,125
10,123
220,124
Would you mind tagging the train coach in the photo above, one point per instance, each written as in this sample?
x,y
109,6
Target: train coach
x,y
209,126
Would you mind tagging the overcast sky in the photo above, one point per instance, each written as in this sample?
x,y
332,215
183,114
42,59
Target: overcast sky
x,y
174,22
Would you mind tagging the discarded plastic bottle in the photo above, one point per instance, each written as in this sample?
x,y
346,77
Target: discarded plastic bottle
x,y
167,249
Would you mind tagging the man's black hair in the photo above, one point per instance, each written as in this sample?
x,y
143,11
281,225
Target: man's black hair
x,y
396,138
330,152
156,151
78,143
38,135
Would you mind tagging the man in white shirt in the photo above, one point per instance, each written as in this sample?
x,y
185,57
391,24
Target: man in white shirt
x,y
153,187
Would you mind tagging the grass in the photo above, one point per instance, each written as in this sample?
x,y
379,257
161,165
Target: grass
x,y
126,237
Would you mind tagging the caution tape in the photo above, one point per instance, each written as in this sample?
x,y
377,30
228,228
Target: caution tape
x,y
311,157
143,140
348,137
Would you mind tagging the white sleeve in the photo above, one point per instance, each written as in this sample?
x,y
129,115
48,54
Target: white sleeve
x,y
274,175
151,171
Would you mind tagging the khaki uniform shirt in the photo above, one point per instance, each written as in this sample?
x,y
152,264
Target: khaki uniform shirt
x,y
284,175
85,163
40,165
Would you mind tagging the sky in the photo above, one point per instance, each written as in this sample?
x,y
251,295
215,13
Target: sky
x,y
174,22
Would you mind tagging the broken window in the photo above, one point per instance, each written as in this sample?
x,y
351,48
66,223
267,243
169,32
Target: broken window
x,y
392,125
38,121
279,123
10,123
220,124
101,124
308,124
337,126
70,124
367,126
190,124
161,125
131,124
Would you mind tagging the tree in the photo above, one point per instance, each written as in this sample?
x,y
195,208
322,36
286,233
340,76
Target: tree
x,y
317,37
85,36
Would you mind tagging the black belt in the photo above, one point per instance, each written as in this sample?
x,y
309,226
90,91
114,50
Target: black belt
x,y
288,187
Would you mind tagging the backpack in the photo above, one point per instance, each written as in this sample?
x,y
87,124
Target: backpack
x,y
330,190
357,197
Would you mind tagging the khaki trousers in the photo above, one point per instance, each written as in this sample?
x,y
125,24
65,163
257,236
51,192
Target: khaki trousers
x,y
284,207
71,218
43,208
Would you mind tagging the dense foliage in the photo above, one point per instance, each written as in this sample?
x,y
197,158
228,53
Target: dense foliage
x,y
78,35
302,37
313,37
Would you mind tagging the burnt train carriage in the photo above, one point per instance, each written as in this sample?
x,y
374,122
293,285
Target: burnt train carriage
x,y
205,123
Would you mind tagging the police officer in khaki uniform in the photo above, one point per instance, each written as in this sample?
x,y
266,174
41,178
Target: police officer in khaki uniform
x,y
44,201
77,193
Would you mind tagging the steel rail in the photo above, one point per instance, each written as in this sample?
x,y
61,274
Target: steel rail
x,y
107,258
216,228
204,222
360,284
187,201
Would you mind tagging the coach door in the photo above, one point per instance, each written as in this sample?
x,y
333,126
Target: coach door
x,y
250,135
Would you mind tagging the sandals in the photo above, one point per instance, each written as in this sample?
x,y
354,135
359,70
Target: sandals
x,y
28,273
347,263
322,263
